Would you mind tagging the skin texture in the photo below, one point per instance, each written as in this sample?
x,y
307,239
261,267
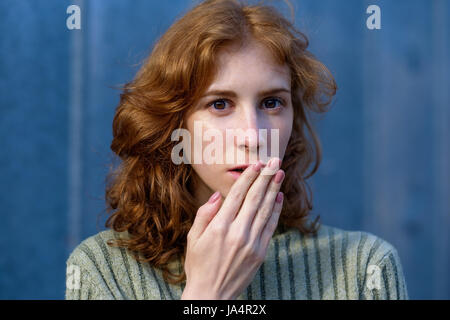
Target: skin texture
x,y
247,71
228,240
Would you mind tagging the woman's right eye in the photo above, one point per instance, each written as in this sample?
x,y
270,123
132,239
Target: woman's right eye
x,y
219,104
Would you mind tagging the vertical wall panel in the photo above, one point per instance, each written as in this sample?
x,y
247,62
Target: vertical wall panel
x,y
440,158
34,99
75,132
338,185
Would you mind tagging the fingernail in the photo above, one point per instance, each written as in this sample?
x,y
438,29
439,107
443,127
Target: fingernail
x,y
257,166
279,197
214,197
279,176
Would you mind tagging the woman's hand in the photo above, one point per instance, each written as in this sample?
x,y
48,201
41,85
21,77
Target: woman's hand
x,y
227,244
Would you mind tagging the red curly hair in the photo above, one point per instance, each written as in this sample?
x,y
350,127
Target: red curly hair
x,y
151,197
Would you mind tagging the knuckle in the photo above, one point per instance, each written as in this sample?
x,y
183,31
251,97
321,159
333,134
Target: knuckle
x,y
219,229
201,212
253,253
253,197
263,215
237,239
261,255
234,195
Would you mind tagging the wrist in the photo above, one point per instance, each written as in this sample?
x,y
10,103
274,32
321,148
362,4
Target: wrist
x,y
190,293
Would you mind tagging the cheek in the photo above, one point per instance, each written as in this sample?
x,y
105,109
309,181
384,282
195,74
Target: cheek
x,y
286,134
199,169
284,126
208,176
202,172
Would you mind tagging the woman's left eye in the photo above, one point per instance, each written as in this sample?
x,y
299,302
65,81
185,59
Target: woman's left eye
x,y
273,102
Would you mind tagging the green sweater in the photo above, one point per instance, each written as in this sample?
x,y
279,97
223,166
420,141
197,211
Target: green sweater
x,y
334,264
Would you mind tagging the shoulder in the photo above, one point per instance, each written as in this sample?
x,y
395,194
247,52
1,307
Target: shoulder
x,y
355,250
91,268
362,245
94,251
114,272
373,261
102,265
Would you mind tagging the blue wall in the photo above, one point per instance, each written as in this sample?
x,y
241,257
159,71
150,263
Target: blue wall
x,y
386,140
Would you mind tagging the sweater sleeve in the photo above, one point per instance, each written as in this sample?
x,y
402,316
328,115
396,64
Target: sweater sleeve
x,y
84,280
384,280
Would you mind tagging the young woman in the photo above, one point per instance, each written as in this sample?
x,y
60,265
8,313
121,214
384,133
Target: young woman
x,y
206,230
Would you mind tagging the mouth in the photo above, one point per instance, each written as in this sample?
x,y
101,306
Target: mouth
x,y
240,168
237,171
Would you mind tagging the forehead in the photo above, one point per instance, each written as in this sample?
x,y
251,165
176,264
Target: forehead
x,y
252,62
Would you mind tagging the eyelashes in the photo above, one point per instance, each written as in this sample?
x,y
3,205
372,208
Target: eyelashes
x,y
278,101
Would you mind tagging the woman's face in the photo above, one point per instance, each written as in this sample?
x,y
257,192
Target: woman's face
x,y
245,73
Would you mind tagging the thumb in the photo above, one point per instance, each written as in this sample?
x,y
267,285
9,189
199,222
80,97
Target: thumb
x,y
204,215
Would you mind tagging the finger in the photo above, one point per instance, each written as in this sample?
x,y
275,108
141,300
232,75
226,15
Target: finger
x,y
238,191
204,215
267,206
272,224
256,194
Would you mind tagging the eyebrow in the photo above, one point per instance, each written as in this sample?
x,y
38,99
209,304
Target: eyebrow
x,y
230,93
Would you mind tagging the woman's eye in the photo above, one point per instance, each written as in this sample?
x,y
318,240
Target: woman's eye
x,y
218,104
272,103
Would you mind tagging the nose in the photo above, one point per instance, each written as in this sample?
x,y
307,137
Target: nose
x,y
249,138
